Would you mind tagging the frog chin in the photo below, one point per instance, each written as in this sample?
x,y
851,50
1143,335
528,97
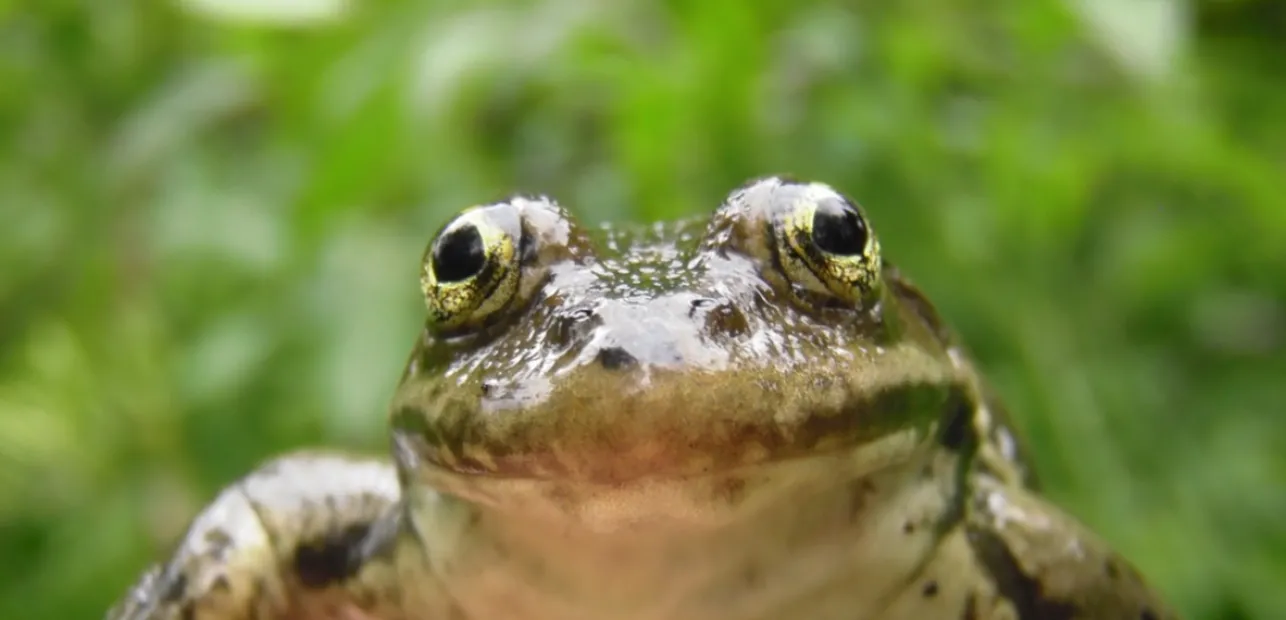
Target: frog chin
x,y
666,503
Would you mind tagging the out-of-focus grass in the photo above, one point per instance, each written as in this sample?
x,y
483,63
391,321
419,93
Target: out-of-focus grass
x,y
209,230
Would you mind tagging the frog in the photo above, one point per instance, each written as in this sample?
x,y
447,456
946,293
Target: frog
x,y
748,415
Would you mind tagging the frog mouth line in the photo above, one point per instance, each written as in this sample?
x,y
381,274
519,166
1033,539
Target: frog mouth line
x,y
675,450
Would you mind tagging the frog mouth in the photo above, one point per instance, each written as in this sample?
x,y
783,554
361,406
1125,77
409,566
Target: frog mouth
x,y
677,427
699,502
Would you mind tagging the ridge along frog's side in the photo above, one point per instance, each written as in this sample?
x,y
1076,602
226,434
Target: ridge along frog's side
x,y
753,416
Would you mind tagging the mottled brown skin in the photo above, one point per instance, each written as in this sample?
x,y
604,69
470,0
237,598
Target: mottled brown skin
x,y
752,417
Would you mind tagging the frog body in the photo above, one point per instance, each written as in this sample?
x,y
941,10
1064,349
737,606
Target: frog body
x,y
752,416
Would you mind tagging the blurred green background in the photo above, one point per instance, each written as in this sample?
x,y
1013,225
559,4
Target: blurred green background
x,y
211,215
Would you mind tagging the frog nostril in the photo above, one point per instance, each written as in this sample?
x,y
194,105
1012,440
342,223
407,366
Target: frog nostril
x,y
572,326
727,319
699,304
616,358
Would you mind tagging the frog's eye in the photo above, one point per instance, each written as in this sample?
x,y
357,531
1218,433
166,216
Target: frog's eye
x,y
825,245
472,268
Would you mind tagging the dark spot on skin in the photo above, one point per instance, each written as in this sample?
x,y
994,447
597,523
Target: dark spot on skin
x,y
970,611
220,541
857,494
930,589
727,319
615,358
189,610
1148,614
1113,572
176,589
334,558
752,577
731,490
957,427
1021,589
220,584
908,527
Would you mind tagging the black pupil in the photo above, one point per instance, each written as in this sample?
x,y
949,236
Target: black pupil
x,y
838,229
458,254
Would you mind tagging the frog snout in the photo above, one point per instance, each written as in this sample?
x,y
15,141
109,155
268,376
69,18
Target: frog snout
x,y
657,335
633,346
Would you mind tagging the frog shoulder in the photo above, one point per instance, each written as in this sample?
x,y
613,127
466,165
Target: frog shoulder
x,y
1001,450
306,531
1049,565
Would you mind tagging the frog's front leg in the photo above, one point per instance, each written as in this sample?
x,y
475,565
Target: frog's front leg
x,y
1045,564
309,535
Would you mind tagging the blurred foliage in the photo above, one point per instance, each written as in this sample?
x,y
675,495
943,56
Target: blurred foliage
x,y
211,220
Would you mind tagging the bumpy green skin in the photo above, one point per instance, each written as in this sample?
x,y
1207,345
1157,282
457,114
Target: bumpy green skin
x,y
658,428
